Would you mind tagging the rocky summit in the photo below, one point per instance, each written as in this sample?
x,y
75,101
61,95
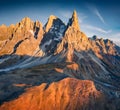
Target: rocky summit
x,y
57,67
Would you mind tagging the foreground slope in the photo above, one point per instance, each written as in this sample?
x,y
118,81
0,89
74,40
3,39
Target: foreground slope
x,y
46,87
67,94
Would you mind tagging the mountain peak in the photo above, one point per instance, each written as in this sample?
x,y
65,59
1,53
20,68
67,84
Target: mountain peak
x,y
52,17
50,22
74,21
3,25
25,22
74,14
26,19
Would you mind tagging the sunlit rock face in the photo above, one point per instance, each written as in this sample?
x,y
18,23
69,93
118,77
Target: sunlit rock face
x,y
49,24
43,56
67,94
24,38
73,21
31,38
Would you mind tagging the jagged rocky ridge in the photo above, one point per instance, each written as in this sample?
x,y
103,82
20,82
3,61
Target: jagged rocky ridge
x,y
29,44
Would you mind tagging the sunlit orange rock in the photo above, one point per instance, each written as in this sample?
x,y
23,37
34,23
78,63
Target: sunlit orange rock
x,y
67,94
50,22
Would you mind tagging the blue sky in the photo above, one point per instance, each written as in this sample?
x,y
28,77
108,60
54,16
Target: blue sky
x,y
96,17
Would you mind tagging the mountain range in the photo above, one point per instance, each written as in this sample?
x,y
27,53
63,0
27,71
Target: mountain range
x,y
57,67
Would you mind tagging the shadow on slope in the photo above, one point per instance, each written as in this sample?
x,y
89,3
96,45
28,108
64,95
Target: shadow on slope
x,y
14,83
17,80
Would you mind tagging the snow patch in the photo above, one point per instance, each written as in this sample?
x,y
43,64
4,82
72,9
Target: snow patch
x,y
57,39
31,31
62,28
46,43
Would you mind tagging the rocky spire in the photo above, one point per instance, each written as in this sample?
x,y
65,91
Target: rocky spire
x,y
50,22
26,19
27,22
74,21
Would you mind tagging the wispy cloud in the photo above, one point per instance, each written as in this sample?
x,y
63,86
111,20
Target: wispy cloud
x,y
115,36
81,17
94,28
99,15
66,14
